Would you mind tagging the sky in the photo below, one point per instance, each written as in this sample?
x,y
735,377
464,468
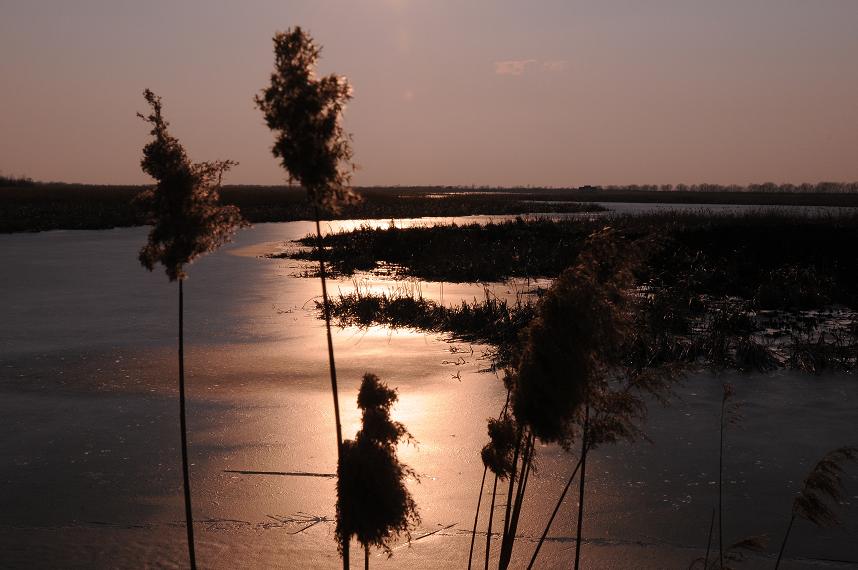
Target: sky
x,y
447,92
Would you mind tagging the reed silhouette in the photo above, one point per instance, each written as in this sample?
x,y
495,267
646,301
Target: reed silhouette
x,y
568,351
480,495
823,485
500,456
188,220
729,415
571,378
373,502
305,112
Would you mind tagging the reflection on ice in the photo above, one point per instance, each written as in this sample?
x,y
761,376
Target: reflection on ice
x,y
87,362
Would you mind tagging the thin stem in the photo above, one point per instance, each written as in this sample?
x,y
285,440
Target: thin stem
x,y
720,488
365,557
553,514
784,543
476,518
480,498
510,488
709,541
585,447
331,362
509,539
186,476
491,516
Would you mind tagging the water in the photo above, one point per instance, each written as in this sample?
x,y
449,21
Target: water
x,y
90,468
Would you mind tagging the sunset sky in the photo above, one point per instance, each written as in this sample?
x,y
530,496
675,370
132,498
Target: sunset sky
x,y
482,92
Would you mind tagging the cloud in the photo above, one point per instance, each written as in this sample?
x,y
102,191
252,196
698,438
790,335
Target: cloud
x,y
554,65
513,66
519,66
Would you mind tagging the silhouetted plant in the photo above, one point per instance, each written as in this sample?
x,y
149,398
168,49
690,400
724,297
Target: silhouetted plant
x,y
734,553
305,112
553,514
373,502
497,454
184,207
579,327
492,320
568,348
823,485
502,414
572,380
751,355
729,415
188,221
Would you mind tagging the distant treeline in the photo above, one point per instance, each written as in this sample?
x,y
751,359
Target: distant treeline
x,y
806,188
765,187
16,181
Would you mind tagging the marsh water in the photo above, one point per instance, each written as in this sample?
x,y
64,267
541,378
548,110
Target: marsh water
x,y
90,461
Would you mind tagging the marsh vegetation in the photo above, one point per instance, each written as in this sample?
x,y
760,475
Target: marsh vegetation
x,y
747,292
632,306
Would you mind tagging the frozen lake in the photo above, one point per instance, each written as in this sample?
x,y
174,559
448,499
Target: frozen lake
x,y
91,468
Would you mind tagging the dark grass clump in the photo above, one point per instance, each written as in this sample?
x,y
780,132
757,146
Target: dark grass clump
x,y
373,502
492,320
751,355
459,253
825,353
794,286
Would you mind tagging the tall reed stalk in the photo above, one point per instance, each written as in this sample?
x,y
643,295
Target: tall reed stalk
x,y
186,476
332,364
725,400
306,113
585,448
477,517
480,497
489,525
709,540
188,220
553,514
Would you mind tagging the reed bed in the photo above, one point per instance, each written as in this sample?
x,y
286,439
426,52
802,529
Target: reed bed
x,y
774,260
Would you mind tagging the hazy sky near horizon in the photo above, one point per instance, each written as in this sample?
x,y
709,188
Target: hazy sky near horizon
x,y
453,92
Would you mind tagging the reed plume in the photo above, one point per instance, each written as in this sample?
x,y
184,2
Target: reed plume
x,y
373,502
822,487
